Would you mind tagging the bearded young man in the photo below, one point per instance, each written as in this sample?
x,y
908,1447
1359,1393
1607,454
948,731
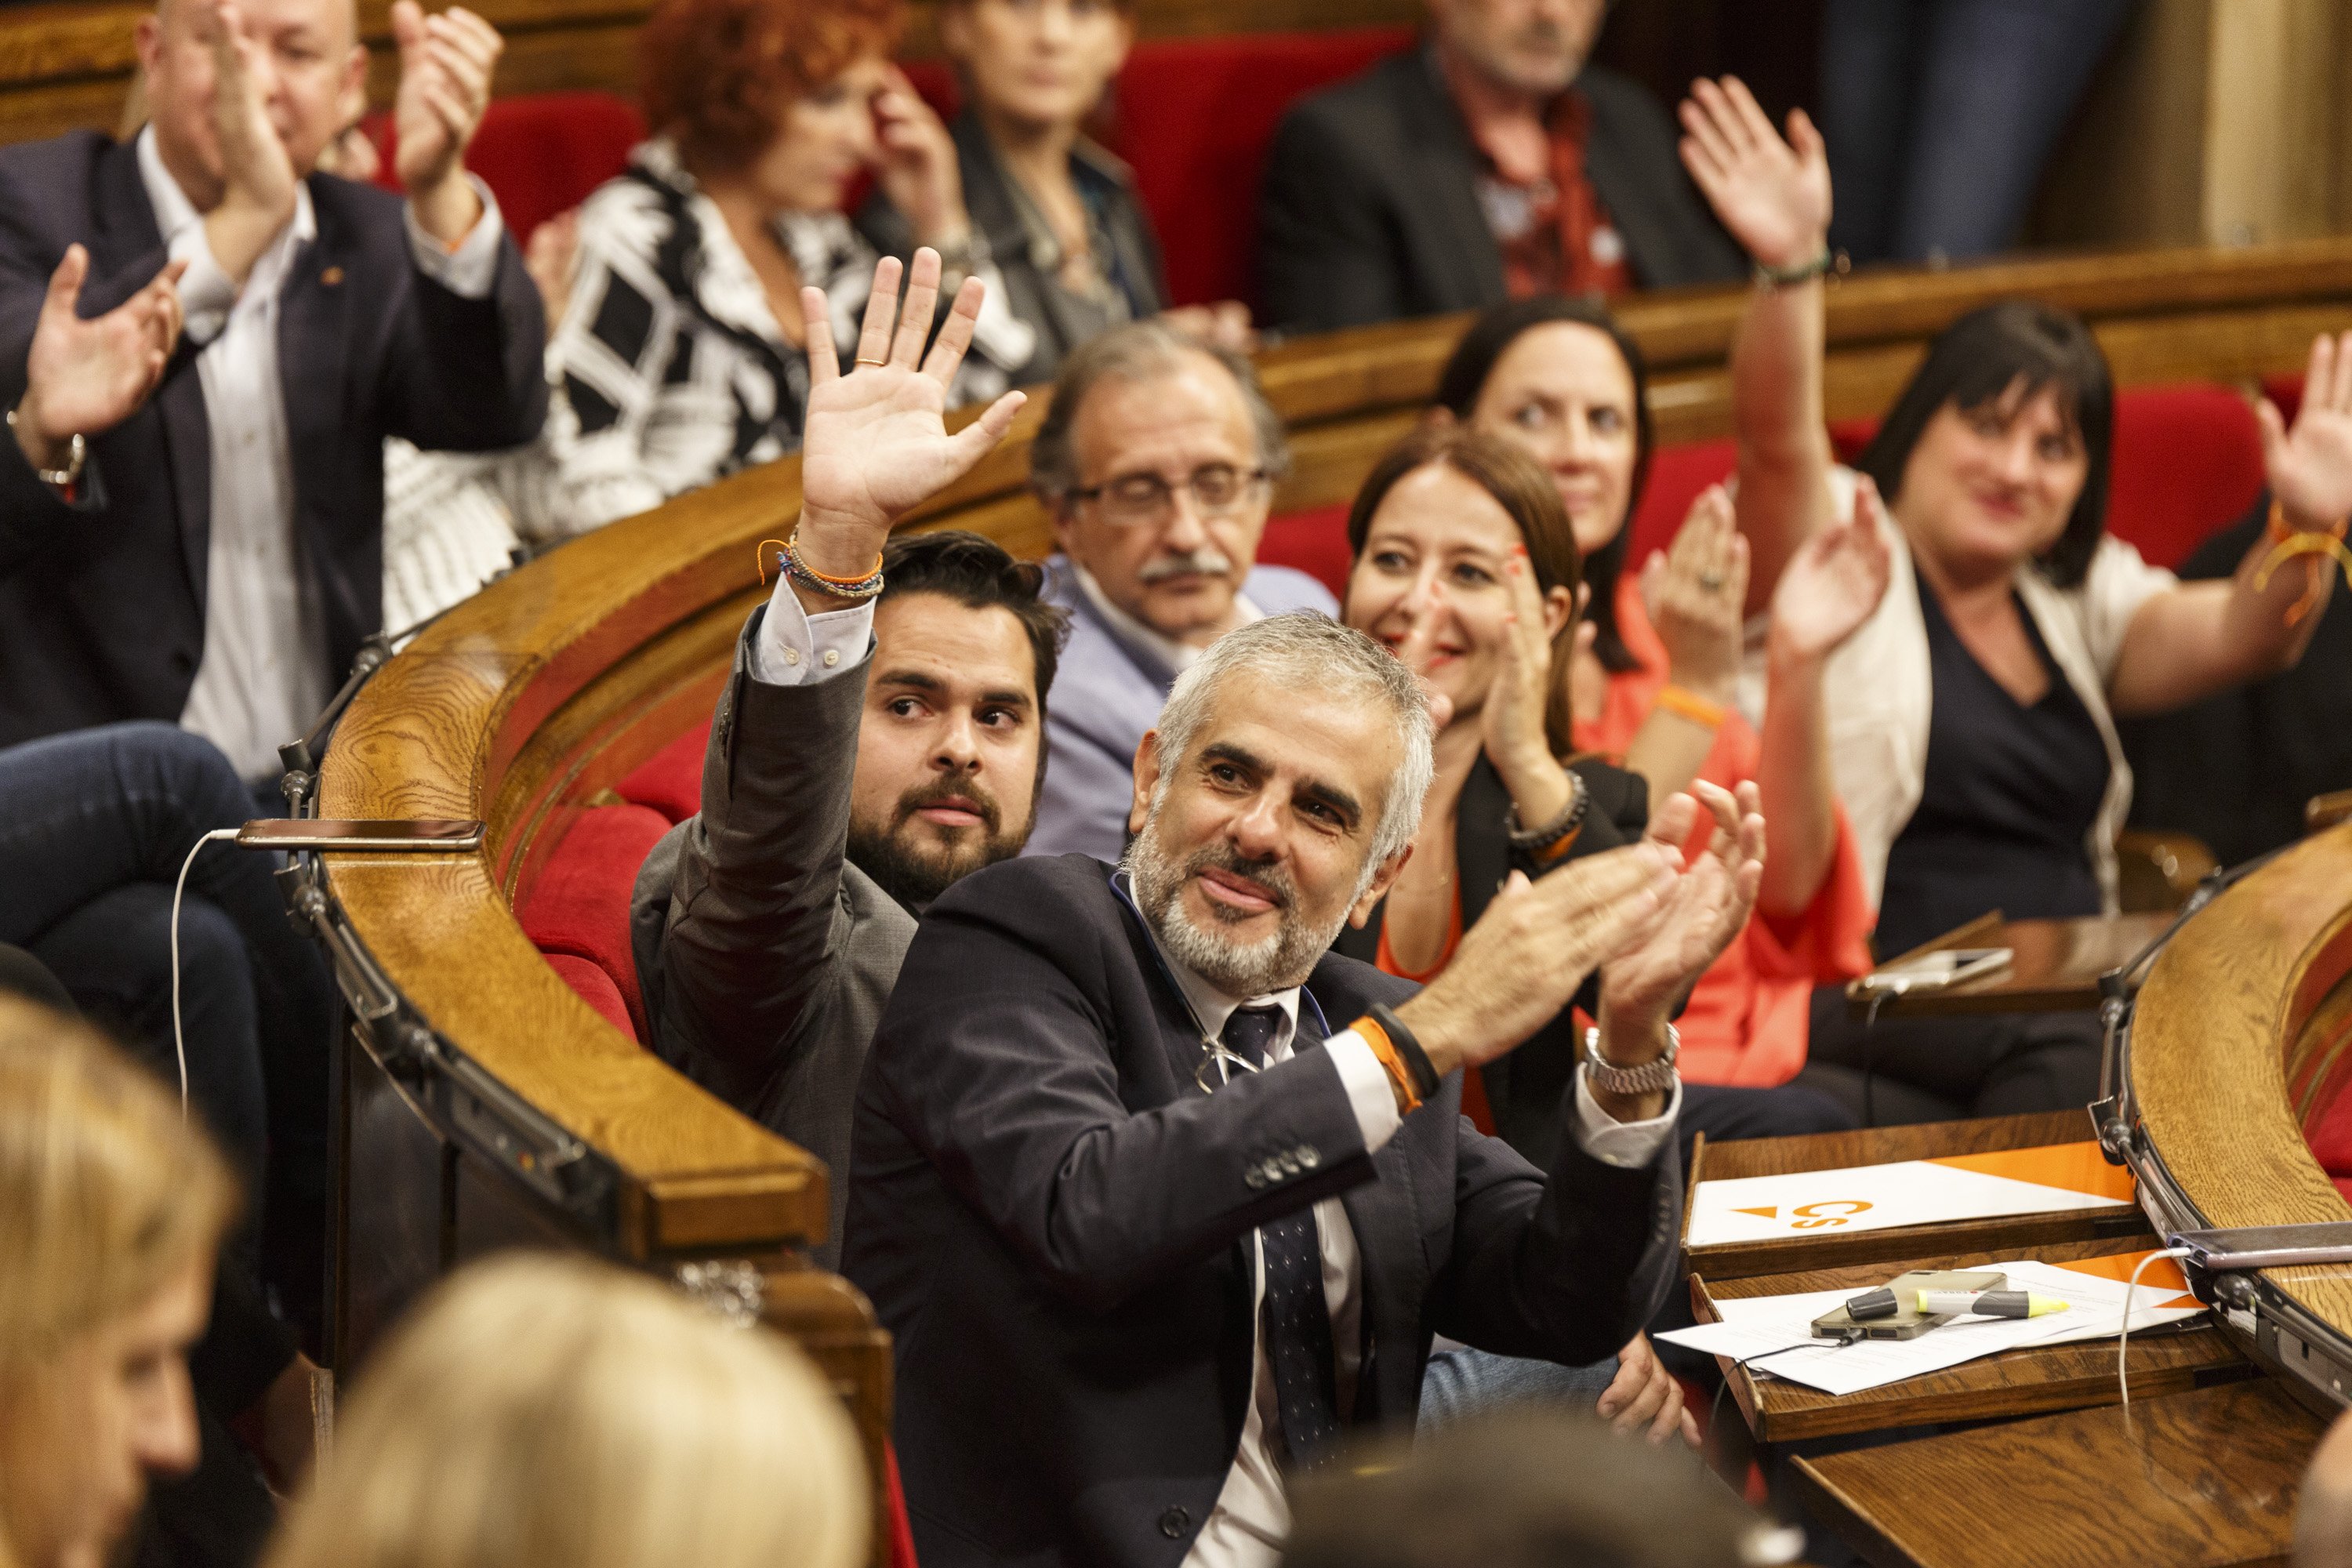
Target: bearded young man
x,y
874,744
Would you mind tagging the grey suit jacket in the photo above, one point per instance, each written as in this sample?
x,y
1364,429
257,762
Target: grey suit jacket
x,y
764,956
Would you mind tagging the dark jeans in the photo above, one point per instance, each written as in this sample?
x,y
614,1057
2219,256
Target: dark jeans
x,y
93,828
1903,1071
1940,114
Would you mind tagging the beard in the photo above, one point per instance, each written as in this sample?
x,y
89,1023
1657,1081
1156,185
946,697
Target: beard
x,y
1273,962
910,865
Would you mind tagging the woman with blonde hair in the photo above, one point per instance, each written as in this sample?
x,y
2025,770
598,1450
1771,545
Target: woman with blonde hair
x,y
112,1205
544,1412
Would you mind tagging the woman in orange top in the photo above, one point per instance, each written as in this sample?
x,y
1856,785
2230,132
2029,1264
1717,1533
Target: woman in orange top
x,y
1655,684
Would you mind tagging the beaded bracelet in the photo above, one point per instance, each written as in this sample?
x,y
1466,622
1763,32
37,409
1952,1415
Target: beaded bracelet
x,y
855,589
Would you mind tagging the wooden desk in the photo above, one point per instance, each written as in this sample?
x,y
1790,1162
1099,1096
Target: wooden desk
x,y
2009,1233
2198,1479
2056,968
2015,1382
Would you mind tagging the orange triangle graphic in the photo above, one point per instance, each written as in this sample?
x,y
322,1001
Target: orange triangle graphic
x,y
2073,1167
1760,1214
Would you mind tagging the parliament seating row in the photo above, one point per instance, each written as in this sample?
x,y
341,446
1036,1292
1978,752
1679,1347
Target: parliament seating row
x,y
1193,117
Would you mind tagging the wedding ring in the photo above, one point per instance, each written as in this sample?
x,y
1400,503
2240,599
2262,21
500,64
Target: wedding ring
x,y
863,360
1711,581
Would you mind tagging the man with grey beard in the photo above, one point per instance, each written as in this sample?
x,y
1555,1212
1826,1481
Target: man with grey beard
x,y
1159,1198
1157,460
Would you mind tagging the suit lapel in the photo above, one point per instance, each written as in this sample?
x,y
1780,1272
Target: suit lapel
x,y
314,305
126,231
1451,226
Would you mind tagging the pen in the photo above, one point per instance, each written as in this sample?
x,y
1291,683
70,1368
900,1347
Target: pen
x,y
1990,1303
1871,1304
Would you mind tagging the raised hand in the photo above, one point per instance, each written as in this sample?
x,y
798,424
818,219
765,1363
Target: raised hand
x,y
1706,907
1833,582
83,377
1695,592
2310,466
1773,195
1517,967
445,65
257,179
875,442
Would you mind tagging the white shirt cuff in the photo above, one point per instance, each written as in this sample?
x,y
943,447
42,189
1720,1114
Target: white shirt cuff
x,y
796,649
1367,1083
206,294
468,271
1626,1144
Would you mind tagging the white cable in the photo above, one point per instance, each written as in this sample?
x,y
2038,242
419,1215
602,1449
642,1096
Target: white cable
x,y
2122,1341
179,1040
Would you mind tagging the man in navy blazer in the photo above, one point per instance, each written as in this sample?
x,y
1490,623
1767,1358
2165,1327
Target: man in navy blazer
x,y
1158,1197
191,522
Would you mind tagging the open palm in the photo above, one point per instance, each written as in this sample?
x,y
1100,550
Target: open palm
x,y
2310,465
1706,907
875,442
87,377
1832,583
1773,195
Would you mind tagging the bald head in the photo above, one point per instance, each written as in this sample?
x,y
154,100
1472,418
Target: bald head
x,y
308,63
2323,1518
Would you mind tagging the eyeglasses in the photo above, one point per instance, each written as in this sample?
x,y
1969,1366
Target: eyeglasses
x,y
1218,489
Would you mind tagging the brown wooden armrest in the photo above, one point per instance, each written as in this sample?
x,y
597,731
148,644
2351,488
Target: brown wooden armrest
x,y
2159,870
2326,810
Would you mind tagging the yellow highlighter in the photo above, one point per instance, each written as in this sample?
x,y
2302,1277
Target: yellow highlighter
x,y
1990,1303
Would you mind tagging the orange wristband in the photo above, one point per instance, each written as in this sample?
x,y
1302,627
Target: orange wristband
x,y
1687,705
1551,852
1384,1049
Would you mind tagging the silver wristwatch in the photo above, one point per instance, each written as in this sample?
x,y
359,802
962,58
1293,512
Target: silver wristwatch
x,y
77,453
1657,1077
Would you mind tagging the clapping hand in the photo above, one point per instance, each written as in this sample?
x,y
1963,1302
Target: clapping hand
x,y
257,178
82,377
1695,592
1834,582
2310,466
1773,195
875,442
1706,907
446,64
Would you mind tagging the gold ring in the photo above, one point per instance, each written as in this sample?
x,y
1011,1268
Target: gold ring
x,y
863,360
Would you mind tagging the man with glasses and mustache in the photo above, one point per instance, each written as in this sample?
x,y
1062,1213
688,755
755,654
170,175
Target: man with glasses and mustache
x,y
882,735
1159,1198
1157,460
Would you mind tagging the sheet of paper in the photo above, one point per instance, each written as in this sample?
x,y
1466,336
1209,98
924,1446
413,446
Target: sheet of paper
x,y
1774,1333
1909,1192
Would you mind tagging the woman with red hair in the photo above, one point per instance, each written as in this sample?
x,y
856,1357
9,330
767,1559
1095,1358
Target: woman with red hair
x,y
677,358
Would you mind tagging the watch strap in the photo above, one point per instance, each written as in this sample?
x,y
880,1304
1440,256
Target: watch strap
x,y
1655,1077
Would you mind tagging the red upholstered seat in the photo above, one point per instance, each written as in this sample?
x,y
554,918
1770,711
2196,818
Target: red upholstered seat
x,y
670,781
1314,542
540,153
595,988
579,905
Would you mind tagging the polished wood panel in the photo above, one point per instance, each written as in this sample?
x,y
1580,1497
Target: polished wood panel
x,y
1882,1145
2199,1480
2015,1382
2055,969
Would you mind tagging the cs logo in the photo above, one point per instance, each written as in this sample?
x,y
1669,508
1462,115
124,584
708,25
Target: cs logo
x,y
1829,1212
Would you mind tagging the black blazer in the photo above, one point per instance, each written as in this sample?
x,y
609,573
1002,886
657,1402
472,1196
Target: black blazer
x,y
1370,211
988,196
102,603
1527,1089
1048,1214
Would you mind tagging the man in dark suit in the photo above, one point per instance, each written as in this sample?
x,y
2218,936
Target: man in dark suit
x,y
1158,1196
191,524
1493,163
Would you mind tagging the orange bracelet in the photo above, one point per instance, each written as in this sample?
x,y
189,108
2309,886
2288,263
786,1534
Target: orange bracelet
x,y
2287,542
1688,705
1559,851
1369,1031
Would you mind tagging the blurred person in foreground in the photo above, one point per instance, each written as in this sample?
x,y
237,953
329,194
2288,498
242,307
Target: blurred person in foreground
x,y
1492,163
2322,1514
1528,1489
192,530
1060,213
114,1206
682,354
541,1412
1157,459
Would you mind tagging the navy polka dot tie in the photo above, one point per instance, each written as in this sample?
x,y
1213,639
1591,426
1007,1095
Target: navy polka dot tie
x,y
1297,1321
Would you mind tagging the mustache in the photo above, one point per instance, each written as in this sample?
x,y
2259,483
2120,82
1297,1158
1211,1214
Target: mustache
x,y
1207,561
945,790
1265,874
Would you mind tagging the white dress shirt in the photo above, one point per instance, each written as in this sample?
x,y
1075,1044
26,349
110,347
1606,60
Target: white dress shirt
x,y
1251,1517
263,677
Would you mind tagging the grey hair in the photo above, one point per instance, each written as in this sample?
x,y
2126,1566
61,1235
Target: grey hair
x,y
1136,351
1310,652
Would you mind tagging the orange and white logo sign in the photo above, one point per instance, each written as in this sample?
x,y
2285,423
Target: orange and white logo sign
x,y
1910,1191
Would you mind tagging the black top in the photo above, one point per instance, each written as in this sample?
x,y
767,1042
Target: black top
x,y
2011,793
